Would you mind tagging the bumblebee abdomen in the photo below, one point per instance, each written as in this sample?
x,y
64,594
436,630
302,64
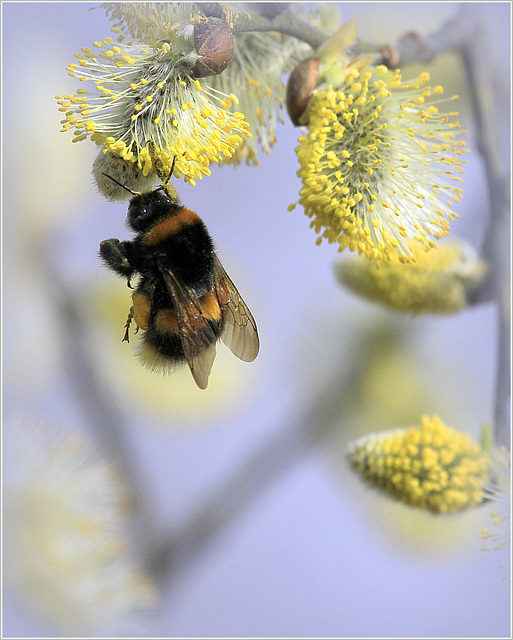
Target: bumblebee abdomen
x,y
161,346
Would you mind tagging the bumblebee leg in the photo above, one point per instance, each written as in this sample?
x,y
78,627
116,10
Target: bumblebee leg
x,y
126,337
113,253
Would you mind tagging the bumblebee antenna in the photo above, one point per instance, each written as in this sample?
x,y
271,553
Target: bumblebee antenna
x,y
134,193
171,172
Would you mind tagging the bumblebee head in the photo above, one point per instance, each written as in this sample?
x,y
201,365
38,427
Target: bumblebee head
x,y
145,208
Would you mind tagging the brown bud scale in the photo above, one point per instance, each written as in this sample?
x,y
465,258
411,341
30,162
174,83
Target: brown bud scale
x,y
302,82
213,40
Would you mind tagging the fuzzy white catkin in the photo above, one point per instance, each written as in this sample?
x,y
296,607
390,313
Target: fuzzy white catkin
x,y
127,173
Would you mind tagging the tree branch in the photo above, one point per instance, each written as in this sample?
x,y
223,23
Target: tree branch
x,y
465,33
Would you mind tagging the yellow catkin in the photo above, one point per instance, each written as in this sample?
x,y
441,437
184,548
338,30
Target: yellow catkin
x,y
431,466
123,115
436,281
372,182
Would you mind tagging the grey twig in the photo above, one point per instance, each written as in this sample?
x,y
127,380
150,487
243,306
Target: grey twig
x,y
466,34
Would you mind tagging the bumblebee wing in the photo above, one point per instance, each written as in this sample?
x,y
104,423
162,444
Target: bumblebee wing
x,y
240,333
196,335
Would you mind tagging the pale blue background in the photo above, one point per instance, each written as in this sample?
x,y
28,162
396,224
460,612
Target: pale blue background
x,y
308,558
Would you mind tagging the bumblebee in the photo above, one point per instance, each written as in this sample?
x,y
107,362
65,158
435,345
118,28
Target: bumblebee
x,y
184,301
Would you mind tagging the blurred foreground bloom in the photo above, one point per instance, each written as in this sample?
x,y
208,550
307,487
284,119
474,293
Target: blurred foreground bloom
x,y
438,281
67,552
498,492
141,93
431,467
378,164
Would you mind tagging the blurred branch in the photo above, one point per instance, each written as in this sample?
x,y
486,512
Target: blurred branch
x,y
466,34
261,469
496,248
102,414
413,48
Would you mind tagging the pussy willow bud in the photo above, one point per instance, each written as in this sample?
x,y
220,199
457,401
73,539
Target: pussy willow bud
x,y
302,82
124,172
213,40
